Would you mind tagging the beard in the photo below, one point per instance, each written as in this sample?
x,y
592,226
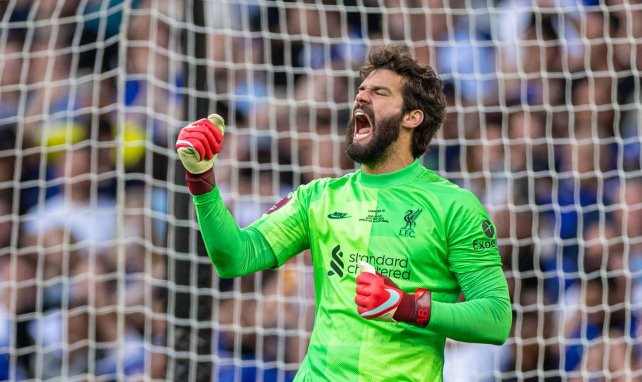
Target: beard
x,y
384,134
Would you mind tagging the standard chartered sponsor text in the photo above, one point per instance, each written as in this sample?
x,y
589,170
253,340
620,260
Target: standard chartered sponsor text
x,y
393,267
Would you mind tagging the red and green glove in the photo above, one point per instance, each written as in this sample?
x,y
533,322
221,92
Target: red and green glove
x,y
378,298
198,145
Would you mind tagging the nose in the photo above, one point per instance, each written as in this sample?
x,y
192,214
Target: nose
x,y
362,96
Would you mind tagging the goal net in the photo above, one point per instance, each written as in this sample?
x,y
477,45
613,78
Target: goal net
x,y
103,275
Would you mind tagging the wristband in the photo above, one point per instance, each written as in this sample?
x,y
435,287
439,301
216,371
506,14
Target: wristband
x,y
415,309
199,184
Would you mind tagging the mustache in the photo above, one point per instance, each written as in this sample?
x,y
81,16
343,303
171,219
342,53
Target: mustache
x,y
366,108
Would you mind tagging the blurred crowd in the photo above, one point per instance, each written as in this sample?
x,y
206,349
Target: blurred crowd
x,y
543,125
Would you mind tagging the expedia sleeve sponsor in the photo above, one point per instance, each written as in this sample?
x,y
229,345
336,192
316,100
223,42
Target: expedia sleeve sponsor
x,y
472,242
482,244
489,241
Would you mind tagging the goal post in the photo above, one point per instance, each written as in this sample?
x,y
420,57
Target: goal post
x,y
103,274
191,309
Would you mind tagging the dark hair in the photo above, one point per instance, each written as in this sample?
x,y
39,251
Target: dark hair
x,y
421,89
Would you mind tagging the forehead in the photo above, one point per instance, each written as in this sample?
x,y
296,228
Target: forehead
x,y
384,78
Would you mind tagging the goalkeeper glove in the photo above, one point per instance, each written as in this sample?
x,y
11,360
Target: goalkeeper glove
x,y
379,298
198,145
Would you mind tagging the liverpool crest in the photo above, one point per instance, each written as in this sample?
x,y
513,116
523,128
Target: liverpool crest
x,y
410,218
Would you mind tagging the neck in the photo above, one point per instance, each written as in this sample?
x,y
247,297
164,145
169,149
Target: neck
x,y
393,161
398,156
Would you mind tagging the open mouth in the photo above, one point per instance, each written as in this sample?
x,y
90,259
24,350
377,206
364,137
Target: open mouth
x,y
362,125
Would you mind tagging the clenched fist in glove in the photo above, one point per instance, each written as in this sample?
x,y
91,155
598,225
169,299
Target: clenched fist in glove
x,y
198,145
378,298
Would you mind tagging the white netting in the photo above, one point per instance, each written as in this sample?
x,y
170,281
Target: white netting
x,y
544,124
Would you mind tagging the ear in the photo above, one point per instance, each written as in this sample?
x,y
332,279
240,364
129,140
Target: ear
x,y
412,119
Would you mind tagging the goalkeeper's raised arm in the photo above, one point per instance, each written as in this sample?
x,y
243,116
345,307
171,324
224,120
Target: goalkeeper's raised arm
x,y
421,240
233,251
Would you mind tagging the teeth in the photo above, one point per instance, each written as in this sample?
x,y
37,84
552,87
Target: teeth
x,y
361,135
359,113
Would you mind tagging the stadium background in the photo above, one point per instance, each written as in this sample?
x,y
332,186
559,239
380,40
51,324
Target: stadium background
x,y
103,275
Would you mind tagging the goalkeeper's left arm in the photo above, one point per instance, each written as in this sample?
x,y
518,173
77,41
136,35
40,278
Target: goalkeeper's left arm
x,y
485,316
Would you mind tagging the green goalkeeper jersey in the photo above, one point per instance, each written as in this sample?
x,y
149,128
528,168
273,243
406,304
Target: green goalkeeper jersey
x,y
413,226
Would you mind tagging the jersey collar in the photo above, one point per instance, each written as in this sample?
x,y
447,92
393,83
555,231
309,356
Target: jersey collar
x,y
391,179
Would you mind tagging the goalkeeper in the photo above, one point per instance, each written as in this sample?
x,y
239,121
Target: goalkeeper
x,y
393,244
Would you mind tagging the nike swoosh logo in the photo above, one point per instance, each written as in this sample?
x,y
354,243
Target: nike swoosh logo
x,y
392,301
183,143
338,215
